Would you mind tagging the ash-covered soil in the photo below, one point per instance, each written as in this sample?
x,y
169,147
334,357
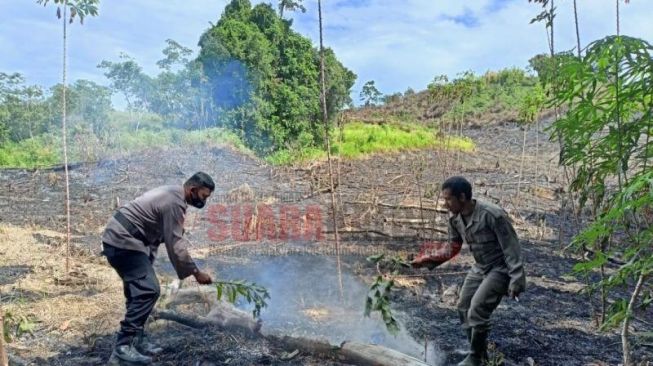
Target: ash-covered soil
x,y
387,203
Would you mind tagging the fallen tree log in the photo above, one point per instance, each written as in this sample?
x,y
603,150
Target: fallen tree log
x,y
221,314
374,355
225,316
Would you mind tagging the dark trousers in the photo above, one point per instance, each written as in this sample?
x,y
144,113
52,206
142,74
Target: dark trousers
x,y
140,286
479,296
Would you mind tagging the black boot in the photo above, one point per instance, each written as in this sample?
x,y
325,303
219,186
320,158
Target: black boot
x,y
478,355
145,346
127,354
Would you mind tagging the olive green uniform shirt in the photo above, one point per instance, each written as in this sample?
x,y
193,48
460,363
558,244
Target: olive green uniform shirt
x,y
492,241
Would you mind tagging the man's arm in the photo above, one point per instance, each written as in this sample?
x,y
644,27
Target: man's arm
x,y
173,229
511,247
435,253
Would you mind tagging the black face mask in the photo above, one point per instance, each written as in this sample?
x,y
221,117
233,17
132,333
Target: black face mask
x,y
196,201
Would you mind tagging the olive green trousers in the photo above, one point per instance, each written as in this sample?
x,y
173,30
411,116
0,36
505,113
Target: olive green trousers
x,y
479,296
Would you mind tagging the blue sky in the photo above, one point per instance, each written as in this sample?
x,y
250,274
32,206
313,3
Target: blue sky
x,y
398,44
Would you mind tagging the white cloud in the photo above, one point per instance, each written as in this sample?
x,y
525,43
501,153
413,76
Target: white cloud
x,y
399,44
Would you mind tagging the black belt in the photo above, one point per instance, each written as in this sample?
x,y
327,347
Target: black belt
x,y
129,226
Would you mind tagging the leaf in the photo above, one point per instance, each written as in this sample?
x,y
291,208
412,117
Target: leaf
x,y
375,258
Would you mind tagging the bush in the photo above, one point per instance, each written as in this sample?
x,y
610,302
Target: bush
x,y
33,152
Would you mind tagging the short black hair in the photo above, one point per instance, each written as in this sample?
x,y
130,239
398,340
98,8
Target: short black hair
x,y
200,179
458,185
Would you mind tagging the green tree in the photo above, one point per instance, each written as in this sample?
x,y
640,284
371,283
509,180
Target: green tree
x,y
81,9
263,78
127,77
291,5
370,95
175,54
177,94
606,134
22,109
92,106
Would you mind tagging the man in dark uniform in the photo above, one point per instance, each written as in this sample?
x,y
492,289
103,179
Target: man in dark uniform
x,y
498,269
130,242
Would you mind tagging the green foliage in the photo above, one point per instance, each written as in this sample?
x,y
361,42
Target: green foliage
x,y
26,111
545,66
251,292
291,5
532,104
31,152
144,139
174,54
378,296
128,78
378,299
360,139
605,133
509,91
264,77
608,94
88,105
15,326
80,8
370,95
23,111
628,213
44,150
253,75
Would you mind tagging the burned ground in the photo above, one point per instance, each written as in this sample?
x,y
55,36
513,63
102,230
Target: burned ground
x,y
388,203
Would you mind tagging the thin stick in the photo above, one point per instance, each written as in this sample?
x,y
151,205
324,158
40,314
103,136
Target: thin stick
x,y
521,164
577,31
65,144
426,348
618,30
3,354
626,322
325,120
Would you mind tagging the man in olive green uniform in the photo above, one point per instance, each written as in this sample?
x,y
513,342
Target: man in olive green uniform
x,y
498,269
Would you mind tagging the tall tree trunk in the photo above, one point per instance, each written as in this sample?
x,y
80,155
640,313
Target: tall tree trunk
x,y
577,31
325,120
618,30
65,145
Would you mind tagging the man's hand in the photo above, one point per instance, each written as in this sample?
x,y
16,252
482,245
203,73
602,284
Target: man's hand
x,y
203,278
514,290
421,262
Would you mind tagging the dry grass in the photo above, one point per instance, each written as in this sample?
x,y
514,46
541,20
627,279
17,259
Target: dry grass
x,y
86,303
410,282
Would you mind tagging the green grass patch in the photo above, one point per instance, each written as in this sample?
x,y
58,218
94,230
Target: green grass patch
x,y
361,139
44,151
135,141
33,152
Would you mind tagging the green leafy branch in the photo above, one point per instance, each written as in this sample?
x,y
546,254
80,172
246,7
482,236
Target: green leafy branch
x,y
81,8
378,296
252,292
